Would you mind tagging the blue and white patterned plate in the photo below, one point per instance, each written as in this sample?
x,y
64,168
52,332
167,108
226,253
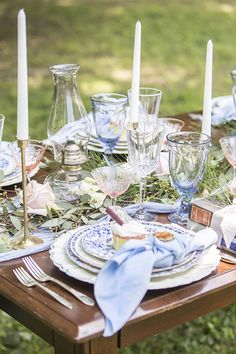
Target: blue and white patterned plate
x,y
190,261
75,247
7,163
77,261
79,253
97,239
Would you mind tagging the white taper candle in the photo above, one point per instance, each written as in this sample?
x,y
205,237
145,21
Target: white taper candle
x,y
134,101
206,119
22,86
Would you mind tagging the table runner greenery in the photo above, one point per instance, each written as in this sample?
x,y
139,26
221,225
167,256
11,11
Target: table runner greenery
x,y
173,57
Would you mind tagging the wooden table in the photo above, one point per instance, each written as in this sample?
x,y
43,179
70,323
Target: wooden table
x,y
79,331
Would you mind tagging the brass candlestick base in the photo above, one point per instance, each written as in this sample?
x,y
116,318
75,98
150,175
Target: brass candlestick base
x,y
26,240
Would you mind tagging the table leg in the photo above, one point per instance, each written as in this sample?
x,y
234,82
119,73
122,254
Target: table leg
x,y
100,345
104,345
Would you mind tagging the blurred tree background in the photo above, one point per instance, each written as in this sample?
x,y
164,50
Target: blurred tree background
x,y
98,34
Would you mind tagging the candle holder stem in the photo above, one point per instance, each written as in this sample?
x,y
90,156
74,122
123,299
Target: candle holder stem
x,y
26,240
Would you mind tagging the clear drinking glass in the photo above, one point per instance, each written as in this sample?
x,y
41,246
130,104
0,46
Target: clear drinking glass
x,y
113,180
228,144
109,114
2,119
233,76
149,104
145,138
188,153
144,146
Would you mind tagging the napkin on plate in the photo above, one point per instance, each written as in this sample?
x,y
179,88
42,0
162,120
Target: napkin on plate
x,y
123,281
223,110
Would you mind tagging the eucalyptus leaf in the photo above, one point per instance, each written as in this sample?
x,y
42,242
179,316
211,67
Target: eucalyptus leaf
x,y
84,219
4,210
69,213
1,175
15,222
85,198
53,223
67,225
64,205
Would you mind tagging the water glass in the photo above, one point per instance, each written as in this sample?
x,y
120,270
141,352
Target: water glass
x,y
144,146
109,114
149,104
188,153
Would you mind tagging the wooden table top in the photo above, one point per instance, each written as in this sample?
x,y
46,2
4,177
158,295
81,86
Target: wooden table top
x,y
159,310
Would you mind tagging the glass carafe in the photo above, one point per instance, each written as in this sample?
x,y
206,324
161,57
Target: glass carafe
x,y
68,118
68,131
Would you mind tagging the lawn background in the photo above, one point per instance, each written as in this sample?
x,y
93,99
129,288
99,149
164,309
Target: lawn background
x,y
99,35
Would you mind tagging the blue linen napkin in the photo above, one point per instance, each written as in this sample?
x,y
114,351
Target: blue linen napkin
x,y
48,238
123,281
153,207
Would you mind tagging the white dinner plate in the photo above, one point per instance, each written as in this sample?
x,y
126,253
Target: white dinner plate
x,y
207,263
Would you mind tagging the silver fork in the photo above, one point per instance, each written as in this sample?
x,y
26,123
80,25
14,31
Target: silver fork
x,y
26,279
41,276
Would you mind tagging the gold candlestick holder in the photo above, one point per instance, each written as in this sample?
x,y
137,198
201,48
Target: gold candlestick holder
x,y
26,240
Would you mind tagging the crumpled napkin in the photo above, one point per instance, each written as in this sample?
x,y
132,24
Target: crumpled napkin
x,y
123,281
223,110
72,129
224,222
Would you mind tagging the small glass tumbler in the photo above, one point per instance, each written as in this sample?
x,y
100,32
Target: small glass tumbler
x,y
109,114
233,76
228,144
188,153
149,104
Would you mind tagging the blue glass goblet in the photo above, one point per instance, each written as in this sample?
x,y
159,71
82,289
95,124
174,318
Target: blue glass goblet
x,y
188,153
109,114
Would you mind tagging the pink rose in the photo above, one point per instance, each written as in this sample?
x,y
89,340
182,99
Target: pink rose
x,y
39,196
233,186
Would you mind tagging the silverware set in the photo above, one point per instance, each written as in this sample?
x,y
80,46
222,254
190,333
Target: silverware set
x,y
37,276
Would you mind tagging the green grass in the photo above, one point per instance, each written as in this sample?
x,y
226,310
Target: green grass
x,y
99,35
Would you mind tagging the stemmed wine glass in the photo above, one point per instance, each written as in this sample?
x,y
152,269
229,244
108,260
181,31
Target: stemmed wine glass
x,y
113,180
109,114
188,153
33,155
144,146
228,144
144,138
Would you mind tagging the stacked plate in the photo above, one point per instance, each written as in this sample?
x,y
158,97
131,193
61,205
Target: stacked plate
x,y
120,148
81,253
9,166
